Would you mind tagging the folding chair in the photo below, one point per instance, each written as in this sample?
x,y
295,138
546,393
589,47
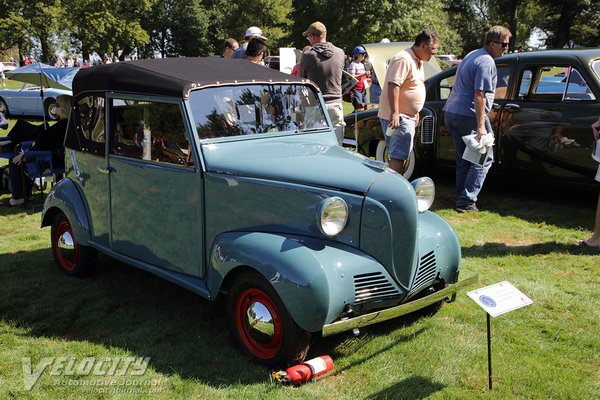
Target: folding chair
x,y
38,165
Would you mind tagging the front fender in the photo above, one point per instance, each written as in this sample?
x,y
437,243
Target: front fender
x,y
435,233
65,197
314,278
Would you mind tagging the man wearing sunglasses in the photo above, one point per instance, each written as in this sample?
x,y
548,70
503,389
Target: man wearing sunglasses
x,y
467,110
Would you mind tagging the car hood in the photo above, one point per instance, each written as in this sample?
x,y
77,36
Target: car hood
x,y
299,159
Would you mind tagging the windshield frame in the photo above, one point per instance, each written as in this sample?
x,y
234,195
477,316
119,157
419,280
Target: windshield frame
x,y
311,91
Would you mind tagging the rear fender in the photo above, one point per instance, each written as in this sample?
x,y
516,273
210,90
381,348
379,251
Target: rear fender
x,y
65,197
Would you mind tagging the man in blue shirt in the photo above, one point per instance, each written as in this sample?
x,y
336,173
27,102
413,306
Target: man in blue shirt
x,y
467,110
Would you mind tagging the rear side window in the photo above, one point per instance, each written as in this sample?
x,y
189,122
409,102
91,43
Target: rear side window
x,y
86,129
149,130
554,83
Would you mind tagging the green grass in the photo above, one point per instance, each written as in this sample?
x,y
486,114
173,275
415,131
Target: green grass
x,y
549,350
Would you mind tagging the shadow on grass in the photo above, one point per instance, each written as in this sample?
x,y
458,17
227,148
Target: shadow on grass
x,y
125,308
501,250
532,203
130,310
414,388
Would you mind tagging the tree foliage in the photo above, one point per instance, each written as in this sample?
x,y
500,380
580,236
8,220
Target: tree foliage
x,y
170,28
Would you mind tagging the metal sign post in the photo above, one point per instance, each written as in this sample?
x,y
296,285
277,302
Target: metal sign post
x,y
497,299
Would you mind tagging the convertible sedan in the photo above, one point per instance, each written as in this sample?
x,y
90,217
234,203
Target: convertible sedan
x,y
27,101
544,105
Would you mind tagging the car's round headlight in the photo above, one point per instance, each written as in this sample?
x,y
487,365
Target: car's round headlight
x,y
332,215
425,190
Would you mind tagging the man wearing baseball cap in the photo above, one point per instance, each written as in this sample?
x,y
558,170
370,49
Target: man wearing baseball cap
x,y
251,32
323,64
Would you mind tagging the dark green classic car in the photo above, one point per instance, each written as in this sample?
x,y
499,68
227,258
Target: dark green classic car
x,y
545,104
257,203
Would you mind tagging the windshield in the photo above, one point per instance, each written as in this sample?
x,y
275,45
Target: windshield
x,y
255,109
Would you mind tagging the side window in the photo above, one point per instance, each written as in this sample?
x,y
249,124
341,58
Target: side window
x,y
525,84
151,131
557,83
446,87
503,74
86,131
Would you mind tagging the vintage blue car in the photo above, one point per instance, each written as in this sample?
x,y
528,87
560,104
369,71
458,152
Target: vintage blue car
x,y
545,103
301,236
27,101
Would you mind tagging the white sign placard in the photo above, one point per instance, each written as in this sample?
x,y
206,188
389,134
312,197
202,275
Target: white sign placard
x,y
499,298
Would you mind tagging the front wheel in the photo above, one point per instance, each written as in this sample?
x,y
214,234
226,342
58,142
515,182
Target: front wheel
x,y
261,325
50,109
71,257
381,154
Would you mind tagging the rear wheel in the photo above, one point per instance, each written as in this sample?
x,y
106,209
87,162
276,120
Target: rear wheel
x,y
260,324
381,154
3,107
50,109
71,257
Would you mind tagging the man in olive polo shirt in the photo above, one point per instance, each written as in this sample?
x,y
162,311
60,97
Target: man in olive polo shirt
x,y
323,64
403,96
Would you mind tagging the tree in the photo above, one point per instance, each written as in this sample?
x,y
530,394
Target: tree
x,y
352,23
13,25
559,17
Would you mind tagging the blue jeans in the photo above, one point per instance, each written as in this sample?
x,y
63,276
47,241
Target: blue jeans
x,y
469,176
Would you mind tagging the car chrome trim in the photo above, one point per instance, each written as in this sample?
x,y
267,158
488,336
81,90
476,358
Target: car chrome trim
x,y
402,309
260,323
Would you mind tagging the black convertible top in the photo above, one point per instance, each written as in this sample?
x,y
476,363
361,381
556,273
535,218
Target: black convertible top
x,y
174,76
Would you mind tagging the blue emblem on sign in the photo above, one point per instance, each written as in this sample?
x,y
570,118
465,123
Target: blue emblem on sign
x,y
487,301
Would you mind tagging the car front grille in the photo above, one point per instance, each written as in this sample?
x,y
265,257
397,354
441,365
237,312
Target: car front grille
x,y
426,273
373,286
427,129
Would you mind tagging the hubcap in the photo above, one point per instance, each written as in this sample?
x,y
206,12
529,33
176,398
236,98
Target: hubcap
x,y
66,248
66,245
260,323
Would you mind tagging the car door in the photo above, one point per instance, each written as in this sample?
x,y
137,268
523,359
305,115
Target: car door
x,y
545,126
438,92
155,193
29,101
86,160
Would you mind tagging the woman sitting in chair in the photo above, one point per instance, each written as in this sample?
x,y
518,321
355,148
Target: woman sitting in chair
x,y
50,140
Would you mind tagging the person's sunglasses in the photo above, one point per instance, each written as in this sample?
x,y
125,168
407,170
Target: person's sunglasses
x,y
504,45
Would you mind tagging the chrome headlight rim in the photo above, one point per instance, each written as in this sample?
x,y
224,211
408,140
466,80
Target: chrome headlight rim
x,y
425,192
332,216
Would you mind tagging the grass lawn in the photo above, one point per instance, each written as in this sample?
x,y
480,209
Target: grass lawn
x,y
549,350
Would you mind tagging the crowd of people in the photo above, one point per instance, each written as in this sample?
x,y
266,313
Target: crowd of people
x,y
401,96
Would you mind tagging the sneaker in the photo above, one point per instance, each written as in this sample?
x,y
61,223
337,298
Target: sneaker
x,y
16,202
467,208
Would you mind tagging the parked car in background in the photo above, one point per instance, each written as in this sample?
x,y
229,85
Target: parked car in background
x,y
302,236
449,59
545,103
27,101
9,65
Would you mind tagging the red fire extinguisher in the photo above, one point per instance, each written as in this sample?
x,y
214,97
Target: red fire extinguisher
x,y
301,373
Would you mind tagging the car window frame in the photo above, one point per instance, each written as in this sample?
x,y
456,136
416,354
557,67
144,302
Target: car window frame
x,y
537,65
111,96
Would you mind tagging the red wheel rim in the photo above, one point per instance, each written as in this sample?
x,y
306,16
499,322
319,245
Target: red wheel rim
x,y
261,350
67,261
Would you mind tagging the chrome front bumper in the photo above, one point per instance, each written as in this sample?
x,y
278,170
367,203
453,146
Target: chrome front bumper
x,y
394,312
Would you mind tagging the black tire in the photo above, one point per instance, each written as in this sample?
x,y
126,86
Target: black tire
x,y
274,340
70,257
50,109
3,107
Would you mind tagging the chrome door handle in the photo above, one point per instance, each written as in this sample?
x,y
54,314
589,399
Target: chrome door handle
x,y
513,106
496,106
